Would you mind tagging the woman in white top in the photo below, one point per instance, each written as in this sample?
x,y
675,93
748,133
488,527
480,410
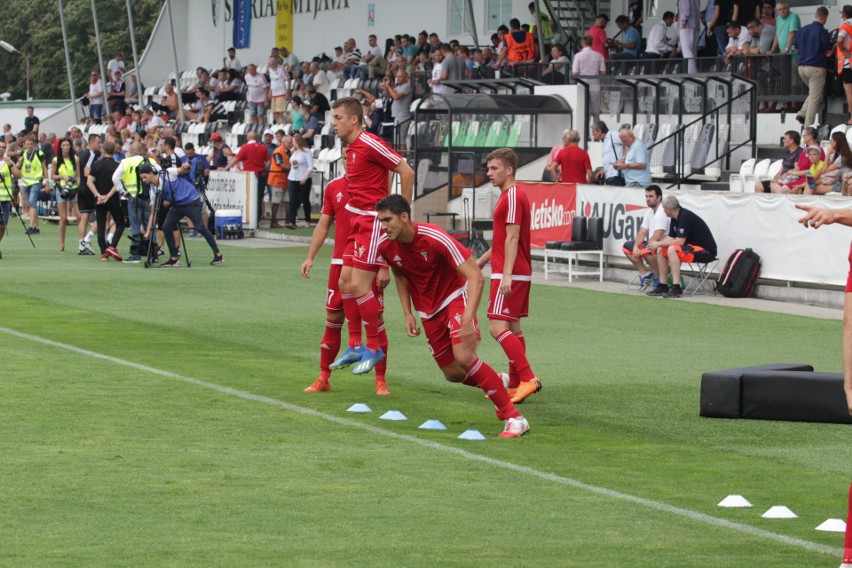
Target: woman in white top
x,y
96,97
299,181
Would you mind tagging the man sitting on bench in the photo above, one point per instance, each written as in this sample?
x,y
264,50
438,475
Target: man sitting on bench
x,y
689,240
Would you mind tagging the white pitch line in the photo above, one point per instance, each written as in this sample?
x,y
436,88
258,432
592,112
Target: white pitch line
x,y
567,481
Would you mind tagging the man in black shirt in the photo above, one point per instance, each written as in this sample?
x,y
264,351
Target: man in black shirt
x,y
99,182
689,240
31,122
85,199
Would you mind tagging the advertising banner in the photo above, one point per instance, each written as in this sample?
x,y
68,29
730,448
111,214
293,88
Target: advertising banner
x,y
242,23
763,222
234,190
552,207
284,24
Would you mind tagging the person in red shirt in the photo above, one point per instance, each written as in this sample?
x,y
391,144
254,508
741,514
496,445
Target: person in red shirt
x,y
335,198
598,32
369,160
436,274
574,162
255,158
511,272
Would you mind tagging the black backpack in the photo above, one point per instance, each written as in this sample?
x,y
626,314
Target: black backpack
x,y
741,271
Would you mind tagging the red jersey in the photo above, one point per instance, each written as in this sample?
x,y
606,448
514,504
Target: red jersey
x,y
368,160
253,156
513,208
575,162
334,202
429,265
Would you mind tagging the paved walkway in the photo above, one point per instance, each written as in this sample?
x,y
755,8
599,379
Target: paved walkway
x,y
266,239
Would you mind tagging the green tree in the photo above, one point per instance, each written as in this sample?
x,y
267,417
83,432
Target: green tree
x,y
34,29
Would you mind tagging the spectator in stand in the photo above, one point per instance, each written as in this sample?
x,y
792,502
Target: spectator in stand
x,y
835,169
574,162
229,85
630,42
116,64
635,165
452,67
746,11
255,159
464,54
597,32
611,151
290,60
171,103
311,127
434,42
116,93
276,54
654,228
558,67
230,62
659,45
279,81
351,58
95,94
318,104
791,173
767,13
299,181
843,51
409,49
689,27
588,63
152,122
812,43
809,138
399,90
520,45
279,169
811,174
689,240
437,71
787,25
217,157
31,122
739,41
258,92
320,79
371,58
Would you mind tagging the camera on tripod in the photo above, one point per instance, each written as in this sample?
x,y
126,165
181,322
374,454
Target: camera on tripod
x,y
166,161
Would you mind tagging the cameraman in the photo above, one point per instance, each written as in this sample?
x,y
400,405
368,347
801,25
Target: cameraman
x,y
169,158
199,175
9,172
183,200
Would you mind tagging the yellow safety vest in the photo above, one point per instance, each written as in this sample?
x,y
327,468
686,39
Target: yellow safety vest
x,y
66,168
31,170
546,32
130,178
7,184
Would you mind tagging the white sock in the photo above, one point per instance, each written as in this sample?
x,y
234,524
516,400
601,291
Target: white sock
x,y
89,236
109,238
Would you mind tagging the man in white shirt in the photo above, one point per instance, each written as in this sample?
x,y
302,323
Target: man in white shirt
x,y
369,55
611,151
654,228
257,94
278,89
589,62
659,44
320,79
231,62
739,40
116,64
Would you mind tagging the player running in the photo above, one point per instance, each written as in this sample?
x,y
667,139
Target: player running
x,y
368,161
510,288
335,198
439,276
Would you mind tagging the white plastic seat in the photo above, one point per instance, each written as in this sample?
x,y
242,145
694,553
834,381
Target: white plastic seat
x,y
737,180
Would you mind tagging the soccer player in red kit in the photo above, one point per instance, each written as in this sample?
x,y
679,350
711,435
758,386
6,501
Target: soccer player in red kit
x,y
368,161
440,278
816,218
511,272
335,198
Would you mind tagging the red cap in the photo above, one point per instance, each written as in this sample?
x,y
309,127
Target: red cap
x,y
215,137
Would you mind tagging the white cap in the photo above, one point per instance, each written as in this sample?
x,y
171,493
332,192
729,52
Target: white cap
x,y
268,131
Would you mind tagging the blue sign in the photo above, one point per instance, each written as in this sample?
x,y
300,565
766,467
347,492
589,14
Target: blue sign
x,y
242,23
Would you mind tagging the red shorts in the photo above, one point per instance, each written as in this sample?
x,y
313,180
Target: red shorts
x,y
512,307
363,243
849,278
690,253
643,248
333,300
443,328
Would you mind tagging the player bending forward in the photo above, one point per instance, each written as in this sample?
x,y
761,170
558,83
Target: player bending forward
x,y
440,277
511,272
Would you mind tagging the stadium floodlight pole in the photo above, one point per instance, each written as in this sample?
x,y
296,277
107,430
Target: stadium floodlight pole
x,y
106,79
537,27
11,49
473,31
68,59
177,70
139,86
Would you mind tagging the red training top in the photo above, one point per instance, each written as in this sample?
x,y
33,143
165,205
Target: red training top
x,y
513,208
368,161
334,205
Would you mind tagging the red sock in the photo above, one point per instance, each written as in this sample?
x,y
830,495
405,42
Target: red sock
x,y
847,543
330,346
489,381
368,307
382,365
514,350
353,319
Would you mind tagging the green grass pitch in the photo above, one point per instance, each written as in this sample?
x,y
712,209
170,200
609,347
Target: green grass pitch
x,y
103,463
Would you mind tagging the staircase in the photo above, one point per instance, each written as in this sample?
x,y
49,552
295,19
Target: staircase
x,y
574,17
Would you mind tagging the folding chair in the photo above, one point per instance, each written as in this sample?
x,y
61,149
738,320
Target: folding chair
x,y
700,280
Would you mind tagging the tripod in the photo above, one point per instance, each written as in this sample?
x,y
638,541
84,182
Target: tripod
x,y
201,186
17,209
151,257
